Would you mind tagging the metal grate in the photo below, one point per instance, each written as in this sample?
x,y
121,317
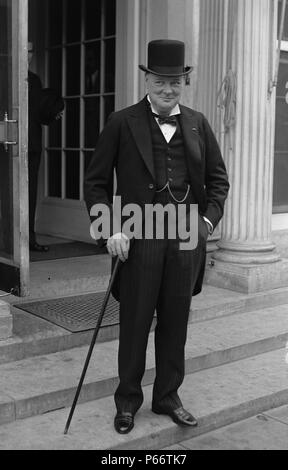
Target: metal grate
x,y
75,314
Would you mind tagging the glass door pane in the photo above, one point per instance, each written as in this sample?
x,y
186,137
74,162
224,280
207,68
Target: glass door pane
x,y
6,172
14,252
280,193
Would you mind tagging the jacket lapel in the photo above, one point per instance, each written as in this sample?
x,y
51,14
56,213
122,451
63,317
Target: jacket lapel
x,y
191,137
139,126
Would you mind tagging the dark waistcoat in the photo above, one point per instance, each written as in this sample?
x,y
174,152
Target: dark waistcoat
x,y
169,158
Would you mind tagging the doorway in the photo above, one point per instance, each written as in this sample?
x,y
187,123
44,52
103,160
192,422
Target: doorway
x,y
75,54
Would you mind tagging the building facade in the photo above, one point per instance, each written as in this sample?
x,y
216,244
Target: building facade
x,y
89,50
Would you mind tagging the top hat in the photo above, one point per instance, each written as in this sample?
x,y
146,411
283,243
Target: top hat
x,y
166,58
50,104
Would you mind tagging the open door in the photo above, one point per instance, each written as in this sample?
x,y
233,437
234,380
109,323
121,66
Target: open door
x,y
14,244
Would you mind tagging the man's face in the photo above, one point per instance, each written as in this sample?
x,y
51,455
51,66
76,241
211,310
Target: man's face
x,y
164,92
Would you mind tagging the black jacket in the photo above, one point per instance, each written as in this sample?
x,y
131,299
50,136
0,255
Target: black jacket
x,y
125,144
43,106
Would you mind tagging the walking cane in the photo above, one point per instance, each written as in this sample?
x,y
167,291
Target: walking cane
x,y
106,298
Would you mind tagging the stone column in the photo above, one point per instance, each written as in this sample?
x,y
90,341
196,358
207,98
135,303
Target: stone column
x,y
214,32
247,259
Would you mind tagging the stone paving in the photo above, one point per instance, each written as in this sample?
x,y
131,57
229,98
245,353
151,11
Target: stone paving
x,y
235,368
218,396
38,384
265,431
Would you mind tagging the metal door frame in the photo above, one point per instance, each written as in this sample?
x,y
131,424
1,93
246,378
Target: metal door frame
x,y
14,273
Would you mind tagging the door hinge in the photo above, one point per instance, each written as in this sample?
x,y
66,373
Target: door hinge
x,y
8,131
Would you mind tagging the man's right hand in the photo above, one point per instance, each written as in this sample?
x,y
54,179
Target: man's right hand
x,y
118,245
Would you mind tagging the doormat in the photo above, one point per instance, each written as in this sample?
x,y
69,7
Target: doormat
x,y
67,250
76,313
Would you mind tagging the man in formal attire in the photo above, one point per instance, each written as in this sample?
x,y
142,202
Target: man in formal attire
x,y
163,153
34,148
44,107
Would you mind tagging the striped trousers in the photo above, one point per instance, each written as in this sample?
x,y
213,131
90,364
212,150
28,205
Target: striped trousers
x,y
160,277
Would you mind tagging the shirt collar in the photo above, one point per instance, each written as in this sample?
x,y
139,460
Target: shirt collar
x,y
175,111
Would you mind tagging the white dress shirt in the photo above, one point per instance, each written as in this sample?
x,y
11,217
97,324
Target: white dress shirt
x,y
168,130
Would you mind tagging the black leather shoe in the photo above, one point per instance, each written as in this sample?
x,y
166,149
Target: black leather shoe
x,y
180,416
124,422
36,247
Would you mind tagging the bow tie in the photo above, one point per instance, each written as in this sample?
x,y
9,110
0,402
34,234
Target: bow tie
x,y
166,119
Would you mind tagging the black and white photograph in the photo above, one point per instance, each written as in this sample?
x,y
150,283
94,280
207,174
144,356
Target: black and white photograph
x,y
143,227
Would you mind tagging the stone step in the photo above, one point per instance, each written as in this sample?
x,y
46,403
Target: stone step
x,y
5,320
217,397
59,277
33,336
265,431
36,385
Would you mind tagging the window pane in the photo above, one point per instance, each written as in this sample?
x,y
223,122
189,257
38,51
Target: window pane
x,y
72,123
282,82
73,70
54,173
285,32
110,17
110,65
6,203
280,196
6,160
93,19
72,174
91,121
280,193
55,69
109,105
54,134
92,68
281,131
73,21
55,22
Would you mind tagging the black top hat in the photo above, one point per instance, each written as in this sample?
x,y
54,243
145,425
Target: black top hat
x,y
50,104
166,57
